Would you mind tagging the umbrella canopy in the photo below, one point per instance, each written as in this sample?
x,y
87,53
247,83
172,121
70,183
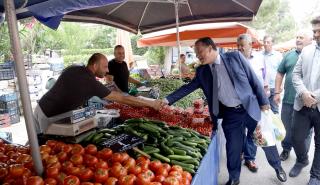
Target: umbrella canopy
x,y
137,15
224,34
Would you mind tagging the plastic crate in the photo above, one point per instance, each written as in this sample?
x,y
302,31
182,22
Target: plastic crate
x,y
7,65
8,97
7,74
14,118
97,106
9,104
4,120
10,111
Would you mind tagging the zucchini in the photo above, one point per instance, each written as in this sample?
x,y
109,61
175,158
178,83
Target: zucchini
x,y
166,149
183,165
161,157
178,151
179,157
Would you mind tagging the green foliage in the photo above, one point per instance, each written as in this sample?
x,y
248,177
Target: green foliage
x,y
135,49
106,51
168,86
156,55
103,37
4,42
274,17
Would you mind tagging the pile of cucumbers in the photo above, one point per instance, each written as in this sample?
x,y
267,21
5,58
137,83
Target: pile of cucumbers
x,y
170,144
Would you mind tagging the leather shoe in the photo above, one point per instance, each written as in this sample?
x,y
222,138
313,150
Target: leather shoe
x,y
233,182
284,155
251,166
281,174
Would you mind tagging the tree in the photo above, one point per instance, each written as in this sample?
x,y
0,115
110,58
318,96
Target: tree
x,y
156,55
5,52
275,18
135,49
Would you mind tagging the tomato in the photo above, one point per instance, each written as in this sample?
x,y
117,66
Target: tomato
x,y
77,149
27,173
11,161
124,156
91,149
116,157
45,148
162,171
56,165
129,163
105,153
154,183
52,159
171,181
67,148
62,156
90,160
159,178
29,165
44,156
23,150
3,157
111,181
24,158
67,165
176,174
185,181
9,147
127,180
186,175
118,170
101,164
143,179
142,159
73,171
135,170
58,147
71,180
176,168
35,180
76,159
52,172
86,174
1,142
155,165
13,155
16,170
51,143
166,166
101,175
86,183
61,177
150,174
50,181
143,164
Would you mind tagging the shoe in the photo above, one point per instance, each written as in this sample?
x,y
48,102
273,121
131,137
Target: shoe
x,y
233,182
281,174
314,181
251,166
296,169
284,155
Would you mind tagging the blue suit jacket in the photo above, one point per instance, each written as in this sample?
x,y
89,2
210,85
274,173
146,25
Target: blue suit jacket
x,y
246,84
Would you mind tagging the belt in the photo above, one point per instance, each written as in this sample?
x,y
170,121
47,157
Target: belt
x,y
236,107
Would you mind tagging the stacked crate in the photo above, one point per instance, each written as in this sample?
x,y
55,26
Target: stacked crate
x,y
9,108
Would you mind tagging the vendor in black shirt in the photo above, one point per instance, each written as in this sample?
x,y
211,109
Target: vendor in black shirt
x,y
119,70
75,86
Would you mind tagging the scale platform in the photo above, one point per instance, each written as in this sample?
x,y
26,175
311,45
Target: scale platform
x,y
71,129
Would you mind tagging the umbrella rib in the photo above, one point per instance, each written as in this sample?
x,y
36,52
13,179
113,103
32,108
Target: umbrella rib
x,y
189,8
242,5
144,11
116,8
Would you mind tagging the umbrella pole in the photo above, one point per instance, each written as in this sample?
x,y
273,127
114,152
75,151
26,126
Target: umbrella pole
x,y
176,4
23,85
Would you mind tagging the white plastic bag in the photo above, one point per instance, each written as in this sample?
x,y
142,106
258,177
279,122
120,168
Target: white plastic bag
x,y
264,133
279,130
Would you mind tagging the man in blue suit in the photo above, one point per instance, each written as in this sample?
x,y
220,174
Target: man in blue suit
x,y
234,94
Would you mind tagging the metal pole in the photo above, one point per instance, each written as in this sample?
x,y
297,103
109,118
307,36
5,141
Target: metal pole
x,y
176,4
23,85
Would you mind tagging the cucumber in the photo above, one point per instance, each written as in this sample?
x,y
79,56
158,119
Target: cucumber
x,y
166,149
179,157
161,157
184,147
189,170
150,130
107,135
135,120
156,122
156,150
96,137
178,151
107,130
183,165
89,137
101,140
192,161
188,143
192,154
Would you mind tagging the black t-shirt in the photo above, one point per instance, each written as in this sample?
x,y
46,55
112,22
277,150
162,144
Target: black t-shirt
x,y
120,74
73,88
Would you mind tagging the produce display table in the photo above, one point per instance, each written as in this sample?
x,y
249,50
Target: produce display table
x,y
208,170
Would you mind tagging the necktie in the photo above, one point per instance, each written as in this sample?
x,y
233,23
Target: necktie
x,y
215,101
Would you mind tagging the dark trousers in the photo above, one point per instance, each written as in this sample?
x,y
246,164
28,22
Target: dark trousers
x,y
274,106
303,121
235,120
249,148
287,119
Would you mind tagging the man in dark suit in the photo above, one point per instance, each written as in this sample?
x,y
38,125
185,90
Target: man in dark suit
x,y
234,94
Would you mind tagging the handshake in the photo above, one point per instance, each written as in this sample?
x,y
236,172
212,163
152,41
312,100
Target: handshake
x,y
158,104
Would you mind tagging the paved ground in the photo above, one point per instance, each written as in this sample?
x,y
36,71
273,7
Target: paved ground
x,y
265,175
